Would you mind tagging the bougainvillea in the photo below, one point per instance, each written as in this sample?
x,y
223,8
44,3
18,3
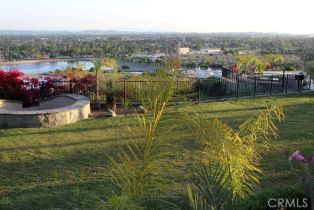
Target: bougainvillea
x,y
84,84
11,84
89,79
14,85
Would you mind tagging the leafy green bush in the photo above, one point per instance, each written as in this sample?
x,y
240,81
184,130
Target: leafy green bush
x,y
290,68
210,88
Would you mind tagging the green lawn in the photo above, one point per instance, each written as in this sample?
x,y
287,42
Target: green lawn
x,y
67,167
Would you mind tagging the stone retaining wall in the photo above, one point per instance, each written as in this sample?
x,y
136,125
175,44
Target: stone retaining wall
x,y
50,113
10,105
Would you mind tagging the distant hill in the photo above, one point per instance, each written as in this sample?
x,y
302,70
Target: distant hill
x,y
84,32
117,32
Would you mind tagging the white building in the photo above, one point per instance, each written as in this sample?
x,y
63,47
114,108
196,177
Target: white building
x,y
208,51
184,50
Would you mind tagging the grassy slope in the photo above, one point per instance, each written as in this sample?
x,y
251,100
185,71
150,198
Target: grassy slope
x,y
67,167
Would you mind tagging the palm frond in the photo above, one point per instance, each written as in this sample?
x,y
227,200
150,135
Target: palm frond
x,y
240,150
209,188
138,169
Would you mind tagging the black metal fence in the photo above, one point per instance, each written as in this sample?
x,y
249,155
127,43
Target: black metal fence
x,y
190,90
250,86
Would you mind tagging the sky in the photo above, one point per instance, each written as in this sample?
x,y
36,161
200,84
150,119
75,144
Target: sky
x,y
202,16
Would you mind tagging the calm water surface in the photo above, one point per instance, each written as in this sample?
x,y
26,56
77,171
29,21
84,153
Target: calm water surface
x,y
45,67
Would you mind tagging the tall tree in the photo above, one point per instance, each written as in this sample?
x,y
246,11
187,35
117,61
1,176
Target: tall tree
x,y
244,62
273,59
110,63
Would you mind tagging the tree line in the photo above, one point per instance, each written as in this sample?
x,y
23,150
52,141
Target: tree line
x,y
58,46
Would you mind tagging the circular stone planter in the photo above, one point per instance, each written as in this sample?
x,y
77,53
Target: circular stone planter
x,y
58,110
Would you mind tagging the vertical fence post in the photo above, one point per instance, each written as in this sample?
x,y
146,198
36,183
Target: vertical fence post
x,y
255,85
271,84
237,79
199,89
124,91
32,89
283,82
219,88
287,83
43,89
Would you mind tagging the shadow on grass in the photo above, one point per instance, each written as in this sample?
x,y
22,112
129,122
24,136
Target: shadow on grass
x,y
72,179
24,132
117,139
78,195
203,110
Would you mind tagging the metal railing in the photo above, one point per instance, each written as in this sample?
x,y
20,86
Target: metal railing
x,y
188,90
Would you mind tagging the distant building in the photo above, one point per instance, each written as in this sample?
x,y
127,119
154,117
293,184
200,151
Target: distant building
x,y
184,50
213,51
139,55
152,57
208,51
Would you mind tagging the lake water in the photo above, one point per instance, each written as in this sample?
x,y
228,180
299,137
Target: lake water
x,y
45,67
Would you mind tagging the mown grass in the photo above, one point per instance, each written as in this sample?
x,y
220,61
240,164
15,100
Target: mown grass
x,y
67,167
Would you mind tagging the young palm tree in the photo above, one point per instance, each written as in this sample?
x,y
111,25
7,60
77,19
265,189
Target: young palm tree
x,y
132,171
99,64
113,92
111,63
148,174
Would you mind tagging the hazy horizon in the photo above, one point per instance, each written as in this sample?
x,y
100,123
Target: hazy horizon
x,y
110,31
199,16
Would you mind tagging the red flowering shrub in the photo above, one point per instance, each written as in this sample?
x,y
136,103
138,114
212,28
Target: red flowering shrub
x,y
90,79
11,85
84,85
15,85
